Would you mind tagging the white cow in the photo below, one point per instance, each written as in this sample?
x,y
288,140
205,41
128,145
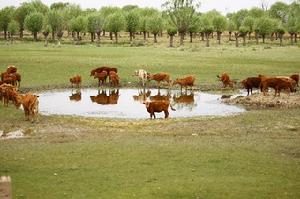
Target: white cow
x,y
142,75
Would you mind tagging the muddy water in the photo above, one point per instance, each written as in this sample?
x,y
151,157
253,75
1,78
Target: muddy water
x,y
128,103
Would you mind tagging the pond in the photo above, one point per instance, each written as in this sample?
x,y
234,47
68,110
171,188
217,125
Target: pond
x,y
128,103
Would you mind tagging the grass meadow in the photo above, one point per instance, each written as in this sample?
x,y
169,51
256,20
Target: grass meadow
x,y
252,155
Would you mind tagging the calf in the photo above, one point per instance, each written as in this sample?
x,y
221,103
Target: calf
x,y
114,78
75,80
30,105
159,77
185,82
142,75
101,77
225,79
158,106
250,83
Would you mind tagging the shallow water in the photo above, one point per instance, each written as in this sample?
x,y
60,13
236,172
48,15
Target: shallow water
x,y
128,103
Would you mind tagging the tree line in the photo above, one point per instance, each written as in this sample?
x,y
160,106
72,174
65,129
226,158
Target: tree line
x,y
177,17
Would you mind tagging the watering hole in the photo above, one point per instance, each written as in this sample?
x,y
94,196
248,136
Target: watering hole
x,y
128,103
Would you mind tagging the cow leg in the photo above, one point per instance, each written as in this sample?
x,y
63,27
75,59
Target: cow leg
x,y
166,113
248,90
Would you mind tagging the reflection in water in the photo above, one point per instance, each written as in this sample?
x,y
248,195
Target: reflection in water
x,y
182,100
142,96
160,97
104,97
75,96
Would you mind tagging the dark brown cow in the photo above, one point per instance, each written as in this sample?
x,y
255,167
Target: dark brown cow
x,y
76,80
114,78
30,105
101,77
160,77
250,83
101,69
296,78
225,79
185,82
158,106
278,84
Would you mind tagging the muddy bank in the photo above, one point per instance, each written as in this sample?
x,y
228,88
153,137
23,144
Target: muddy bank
x,y
258,100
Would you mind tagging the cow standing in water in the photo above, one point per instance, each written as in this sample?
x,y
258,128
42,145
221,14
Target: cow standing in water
x,y
158,106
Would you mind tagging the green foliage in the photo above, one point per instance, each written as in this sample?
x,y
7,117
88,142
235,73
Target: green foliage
x,y
219,23
6,15
239,17
206,25
280,29
129,8
132,20
55,20
21,13
264,26
291,25
256,12
171,29
243,31
46,29
116,22
144,23
94,23
231,26
13,27
194,26
79,24
249,23
155,24
34,22
59,6
279,10
39,6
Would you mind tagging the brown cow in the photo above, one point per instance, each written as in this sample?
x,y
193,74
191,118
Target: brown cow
x,y
101,69
158,106
185,82
225,79
114,78
250,83
10,93
296,78
159,77
101,77
30,105
76,80
11,69
278,84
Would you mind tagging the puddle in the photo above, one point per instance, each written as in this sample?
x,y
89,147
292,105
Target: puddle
x,y
128,103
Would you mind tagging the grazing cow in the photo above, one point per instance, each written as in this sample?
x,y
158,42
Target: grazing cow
x,y
114,78
250,83
142,75
158,106
159,77
101,77
76,80
76,97
185,82
278,84
225,79
9,93
30,105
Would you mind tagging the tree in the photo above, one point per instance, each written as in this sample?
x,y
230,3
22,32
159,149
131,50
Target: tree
x,y
106,12
71,11
13,28
92,25
291,27
249,23
264,27
280,32
155,25
132,22
193,27
6,15
243,31
46,31
21,13
172,31
231,27
256,13
34,23
143,25
55,20
39,6
116,23
206,27
181,13
219,23
79,24
279,10
59,6
239,17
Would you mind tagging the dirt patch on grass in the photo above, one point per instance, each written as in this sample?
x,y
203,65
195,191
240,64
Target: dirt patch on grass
x,y
258,100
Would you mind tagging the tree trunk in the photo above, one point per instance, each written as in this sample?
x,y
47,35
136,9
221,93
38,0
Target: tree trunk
x,y
111,35
78,36
92,37
202,36
229,36
280,38
11,39
236,35
5,34
171,41
191,37
53,35
249,36
116,35
181,38
207,39
295,38
263,37
256,38
103,33
155,40
291,37
21,33
145,35
148,34
219,37
98,38
46,41
130,36
244,40
35,36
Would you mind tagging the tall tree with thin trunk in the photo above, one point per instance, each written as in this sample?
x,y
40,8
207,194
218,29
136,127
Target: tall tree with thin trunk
x,y
194,27
46,31
249,23
181,13
155,25
78,25
6,15
280,32
13,28
116,23
243,31
219,23
132,22
21,13
55,20
172,31
264,27
144,26
230,28
34,23
206,27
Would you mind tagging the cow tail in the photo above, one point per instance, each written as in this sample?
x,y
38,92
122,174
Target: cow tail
x,y
173,109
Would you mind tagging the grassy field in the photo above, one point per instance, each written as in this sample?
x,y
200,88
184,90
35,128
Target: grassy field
x,y
252,155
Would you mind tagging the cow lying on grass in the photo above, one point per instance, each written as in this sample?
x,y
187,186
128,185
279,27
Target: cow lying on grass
x,y
185,82
158,106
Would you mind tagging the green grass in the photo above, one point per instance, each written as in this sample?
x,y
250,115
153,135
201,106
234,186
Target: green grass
x,y
252,155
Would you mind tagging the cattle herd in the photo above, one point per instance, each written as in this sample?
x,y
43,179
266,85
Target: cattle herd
x,y
11,79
